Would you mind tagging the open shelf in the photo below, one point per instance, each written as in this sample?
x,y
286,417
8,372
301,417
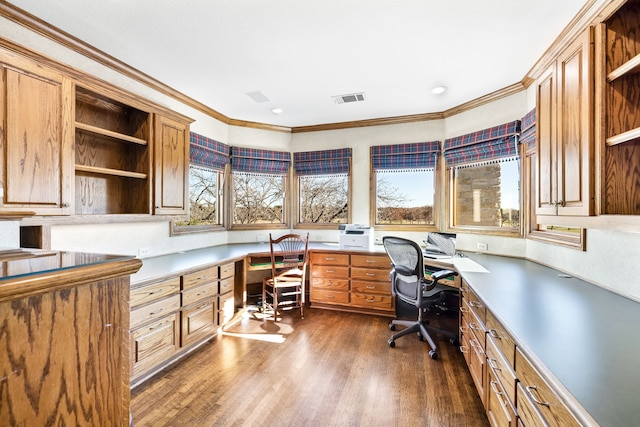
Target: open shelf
x,y
626,69
105,132
108,171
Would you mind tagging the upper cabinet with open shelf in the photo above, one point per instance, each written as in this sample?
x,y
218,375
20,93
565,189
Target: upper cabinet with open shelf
x,y
620,173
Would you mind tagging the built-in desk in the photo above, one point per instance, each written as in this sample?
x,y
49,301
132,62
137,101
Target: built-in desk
x,y
585,339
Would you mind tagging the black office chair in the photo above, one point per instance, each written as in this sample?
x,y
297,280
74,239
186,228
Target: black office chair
x,y
409,286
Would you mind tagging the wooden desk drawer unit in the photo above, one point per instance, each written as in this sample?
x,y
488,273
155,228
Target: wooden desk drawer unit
x,y
154,311
227,270
536,402
500,410
502,368
382,288
376,302
381,262
200,277
199,321
149,293
329,297
372,274
329,258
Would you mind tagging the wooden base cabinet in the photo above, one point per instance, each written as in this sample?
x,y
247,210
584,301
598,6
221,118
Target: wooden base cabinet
x,y
351,281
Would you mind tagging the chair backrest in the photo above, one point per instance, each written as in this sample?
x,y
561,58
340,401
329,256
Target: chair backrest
x,y
289,252
407,276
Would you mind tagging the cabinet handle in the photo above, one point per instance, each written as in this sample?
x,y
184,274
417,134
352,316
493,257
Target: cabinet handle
x,y
370,300
373,261
475,326
329,258
371,274
494,387
464,329
492,363
66,205
463,349
153,313
330,271
536,399
475,304
156,292
371,286
494,333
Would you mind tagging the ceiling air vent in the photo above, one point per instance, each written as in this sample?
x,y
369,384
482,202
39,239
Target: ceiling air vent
x,y
351,97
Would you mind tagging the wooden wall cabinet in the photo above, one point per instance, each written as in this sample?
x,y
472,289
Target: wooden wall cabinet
x,y
620,41
171,166
36,143
565,107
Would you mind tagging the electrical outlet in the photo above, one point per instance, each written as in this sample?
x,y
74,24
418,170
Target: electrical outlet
x,y
143,252
482,246
261,238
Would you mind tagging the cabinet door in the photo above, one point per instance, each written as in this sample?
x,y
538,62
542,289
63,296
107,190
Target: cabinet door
x,y
575,127
171,166
546,166
35,139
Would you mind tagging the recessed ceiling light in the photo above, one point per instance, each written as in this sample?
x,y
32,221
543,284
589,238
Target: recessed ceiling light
x,y
439,90
276,110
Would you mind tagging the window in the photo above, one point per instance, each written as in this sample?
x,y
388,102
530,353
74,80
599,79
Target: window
x,y
208,160
259,182
403,188
487,195
484,177
322,182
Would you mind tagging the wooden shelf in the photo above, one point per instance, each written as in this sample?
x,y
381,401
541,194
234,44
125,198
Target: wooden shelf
x,y
110,134
630,67
623,137
107,171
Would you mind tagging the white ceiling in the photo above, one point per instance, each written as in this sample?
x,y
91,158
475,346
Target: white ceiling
x,y
301,53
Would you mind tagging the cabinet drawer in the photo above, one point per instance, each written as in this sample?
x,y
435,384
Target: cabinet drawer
x,y
476,305
378,302
371,261
200,277
226,308
153,311
473,324
370,274
330,284
330,271
502,338
153,344
193,295
534,392
502,368
227,270
500,410
199,322
149,293
327,296
226,285
382,288
329,258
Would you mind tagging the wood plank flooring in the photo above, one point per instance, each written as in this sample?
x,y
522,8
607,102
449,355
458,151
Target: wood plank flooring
x,y
329,369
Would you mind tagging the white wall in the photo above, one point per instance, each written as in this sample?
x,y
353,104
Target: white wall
x,y
611,259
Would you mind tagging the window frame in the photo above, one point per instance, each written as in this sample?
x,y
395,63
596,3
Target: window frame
x,y
286,210
324,225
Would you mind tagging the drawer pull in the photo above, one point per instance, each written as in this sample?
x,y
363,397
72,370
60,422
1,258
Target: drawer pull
x,y
494,333
371,274
535,398
463,349
156,292
475,304
464,309
475,326
373,261
464,329
370,300
202,293
330,271
153,313
329,258
371,286
493,364
494,387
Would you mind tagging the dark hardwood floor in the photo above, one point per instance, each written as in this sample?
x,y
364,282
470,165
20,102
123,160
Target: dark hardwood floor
x,y
329,369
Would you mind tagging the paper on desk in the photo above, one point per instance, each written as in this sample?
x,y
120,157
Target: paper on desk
x,y
466,265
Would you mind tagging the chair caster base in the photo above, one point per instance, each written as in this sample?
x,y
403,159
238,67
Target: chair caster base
x,y
433,354
392,343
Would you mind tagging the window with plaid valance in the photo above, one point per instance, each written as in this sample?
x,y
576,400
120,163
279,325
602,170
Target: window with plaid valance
x,y
496,143
528,134
404,157
324,162
206,152
259,161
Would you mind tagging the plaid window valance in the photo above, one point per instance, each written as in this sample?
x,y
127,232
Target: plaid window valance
x,y
252,160
496,143
402,157
324,162
206,152
528,134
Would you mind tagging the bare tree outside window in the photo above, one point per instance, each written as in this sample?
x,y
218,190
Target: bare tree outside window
x,y
204,190
404,198
323,199
258,199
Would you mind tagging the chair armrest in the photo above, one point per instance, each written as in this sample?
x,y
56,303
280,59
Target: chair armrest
x,y
443,274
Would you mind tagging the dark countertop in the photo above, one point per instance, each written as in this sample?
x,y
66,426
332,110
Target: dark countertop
x,y
584,335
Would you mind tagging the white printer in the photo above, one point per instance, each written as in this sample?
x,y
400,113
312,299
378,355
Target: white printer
x,y
355,237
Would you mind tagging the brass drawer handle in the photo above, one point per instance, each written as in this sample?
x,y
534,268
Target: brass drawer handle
x,y
371,286
536,399
370,300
